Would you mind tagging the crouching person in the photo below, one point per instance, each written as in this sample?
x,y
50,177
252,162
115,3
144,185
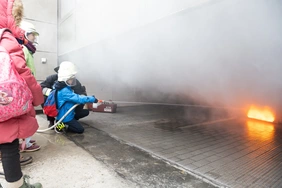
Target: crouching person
x,y
48,85
66,99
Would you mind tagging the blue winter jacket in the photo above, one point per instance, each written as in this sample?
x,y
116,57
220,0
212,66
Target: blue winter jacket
x,y
66,98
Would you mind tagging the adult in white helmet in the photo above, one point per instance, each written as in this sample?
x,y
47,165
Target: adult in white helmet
x,y
66,99
29,49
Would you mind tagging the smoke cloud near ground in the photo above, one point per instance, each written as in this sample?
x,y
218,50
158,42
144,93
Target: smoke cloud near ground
x,y
223,53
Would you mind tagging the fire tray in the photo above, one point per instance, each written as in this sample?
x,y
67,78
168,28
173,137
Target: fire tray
x,y
106,106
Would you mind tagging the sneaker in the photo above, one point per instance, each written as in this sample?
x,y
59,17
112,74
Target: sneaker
x,y
26,183
25,160
33,147
61,127
32,141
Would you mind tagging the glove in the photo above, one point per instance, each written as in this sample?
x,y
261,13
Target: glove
x,y
46,91
96,100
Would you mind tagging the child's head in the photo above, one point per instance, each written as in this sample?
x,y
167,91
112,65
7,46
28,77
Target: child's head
x,y
67,72
30,32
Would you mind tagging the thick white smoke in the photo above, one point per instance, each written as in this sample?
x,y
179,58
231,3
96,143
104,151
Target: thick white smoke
x,y
224,53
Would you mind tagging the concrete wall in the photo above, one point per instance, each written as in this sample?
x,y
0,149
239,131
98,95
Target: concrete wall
x,y
217,52
43,14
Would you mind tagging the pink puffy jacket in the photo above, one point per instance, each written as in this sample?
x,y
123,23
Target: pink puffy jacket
x,y
25,125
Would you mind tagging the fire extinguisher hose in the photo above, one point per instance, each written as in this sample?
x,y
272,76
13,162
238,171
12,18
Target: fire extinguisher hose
x,y
60,120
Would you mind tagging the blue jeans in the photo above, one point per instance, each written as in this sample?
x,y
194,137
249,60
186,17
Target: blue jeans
x,y
27,142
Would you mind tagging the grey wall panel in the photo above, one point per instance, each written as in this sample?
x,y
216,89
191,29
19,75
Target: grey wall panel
x,y
66,34
66,7
44,70
223,53
43,10
47,37
43,14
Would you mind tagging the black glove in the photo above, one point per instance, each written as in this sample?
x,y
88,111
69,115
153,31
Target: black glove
x,y
96,100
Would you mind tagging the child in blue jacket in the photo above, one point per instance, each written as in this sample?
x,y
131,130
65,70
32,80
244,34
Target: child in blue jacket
x,y
66,99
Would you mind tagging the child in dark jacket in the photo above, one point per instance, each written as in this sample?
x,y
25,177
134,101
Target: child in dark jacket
x,y
66,98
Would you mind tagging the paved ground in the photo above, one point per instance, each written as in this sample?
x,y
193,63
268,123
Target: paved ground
x,y
226,150
134,164
61,163
210,144
103,162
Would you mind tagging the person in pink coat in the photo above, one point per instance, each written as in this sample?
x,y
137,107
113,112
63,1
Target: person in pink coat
x,y
11,12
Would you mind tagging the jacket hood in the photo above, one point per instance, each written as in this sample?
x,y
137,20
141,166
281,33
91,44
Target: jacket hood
x,y
11,14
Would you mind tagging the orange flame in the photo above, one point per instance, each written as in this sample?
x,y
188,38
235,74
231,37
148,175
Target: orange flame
x,y
260,130
263,114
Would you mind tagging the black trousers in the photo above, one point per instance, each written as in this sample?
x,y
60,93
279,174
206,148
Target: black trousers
x,y
11,161
80,112
74,125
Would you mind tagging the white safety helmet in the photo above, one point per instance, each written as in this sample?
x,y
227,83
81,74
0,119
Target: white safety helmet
x,y
66,72
29,28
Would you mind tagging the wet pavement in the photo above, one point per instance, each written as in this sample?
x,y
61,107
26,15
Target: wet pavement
x,y
228,151
133,164
160,146
60,163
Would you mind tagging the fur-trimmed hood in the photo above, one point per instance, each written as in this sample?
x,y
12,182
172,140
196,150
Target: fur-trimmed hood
x,y
11,14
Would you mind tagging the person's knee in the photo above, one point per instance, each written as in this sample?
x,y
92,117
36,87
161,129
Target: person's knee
x,y
80,130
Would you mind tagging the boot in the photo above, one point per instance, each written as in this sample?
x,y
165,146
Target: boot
x,y
23,183
26,183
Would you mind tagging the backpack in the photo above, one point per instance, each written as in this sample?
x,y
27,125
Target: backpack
x,y
50,105
15,95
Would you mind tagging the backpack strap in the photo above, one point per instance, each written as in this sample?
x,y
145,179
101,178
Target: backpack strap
x,y
56,99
